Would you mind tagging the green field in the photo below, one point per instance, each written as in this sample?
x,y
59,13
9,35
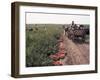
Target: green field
x,y
41,41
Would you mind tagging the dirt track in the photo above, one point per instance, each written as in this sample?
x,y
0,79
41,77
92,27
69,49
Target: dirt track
x,y
76,53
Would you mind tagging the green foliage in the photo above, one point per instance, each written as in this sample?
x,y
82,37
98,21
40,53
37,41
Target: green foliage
x,y
41,42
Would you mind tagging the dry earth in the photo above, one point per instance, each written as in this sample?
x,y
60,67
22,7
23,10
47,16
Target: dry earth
x,y
76,53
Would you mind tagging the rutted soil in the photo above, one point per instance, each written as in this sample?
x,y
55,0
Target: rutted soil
x,y
76,53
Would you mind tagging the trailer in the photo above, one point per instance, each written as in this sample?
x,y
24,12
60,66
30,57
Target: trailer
x,y
77,33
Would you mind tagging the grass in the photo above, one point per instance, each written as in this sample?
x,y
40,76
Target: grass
x,y
41,41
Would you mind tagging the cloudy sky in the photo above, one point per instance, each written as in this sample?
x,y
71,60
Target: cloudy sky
x,y
41,18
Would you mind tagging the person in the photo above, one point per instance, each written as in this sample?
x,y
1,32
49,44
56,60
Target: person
x,y
73,25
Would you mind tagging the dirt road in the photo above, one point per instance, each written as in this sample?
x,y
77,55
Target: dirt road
x,y
76,53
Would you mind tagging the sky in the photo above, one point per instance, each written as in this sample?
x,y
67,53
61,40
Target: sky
x,y
41,18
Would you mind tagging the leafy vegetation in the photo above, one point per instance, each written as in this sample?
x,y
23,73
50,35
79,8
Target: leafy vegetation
x,y
41,41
